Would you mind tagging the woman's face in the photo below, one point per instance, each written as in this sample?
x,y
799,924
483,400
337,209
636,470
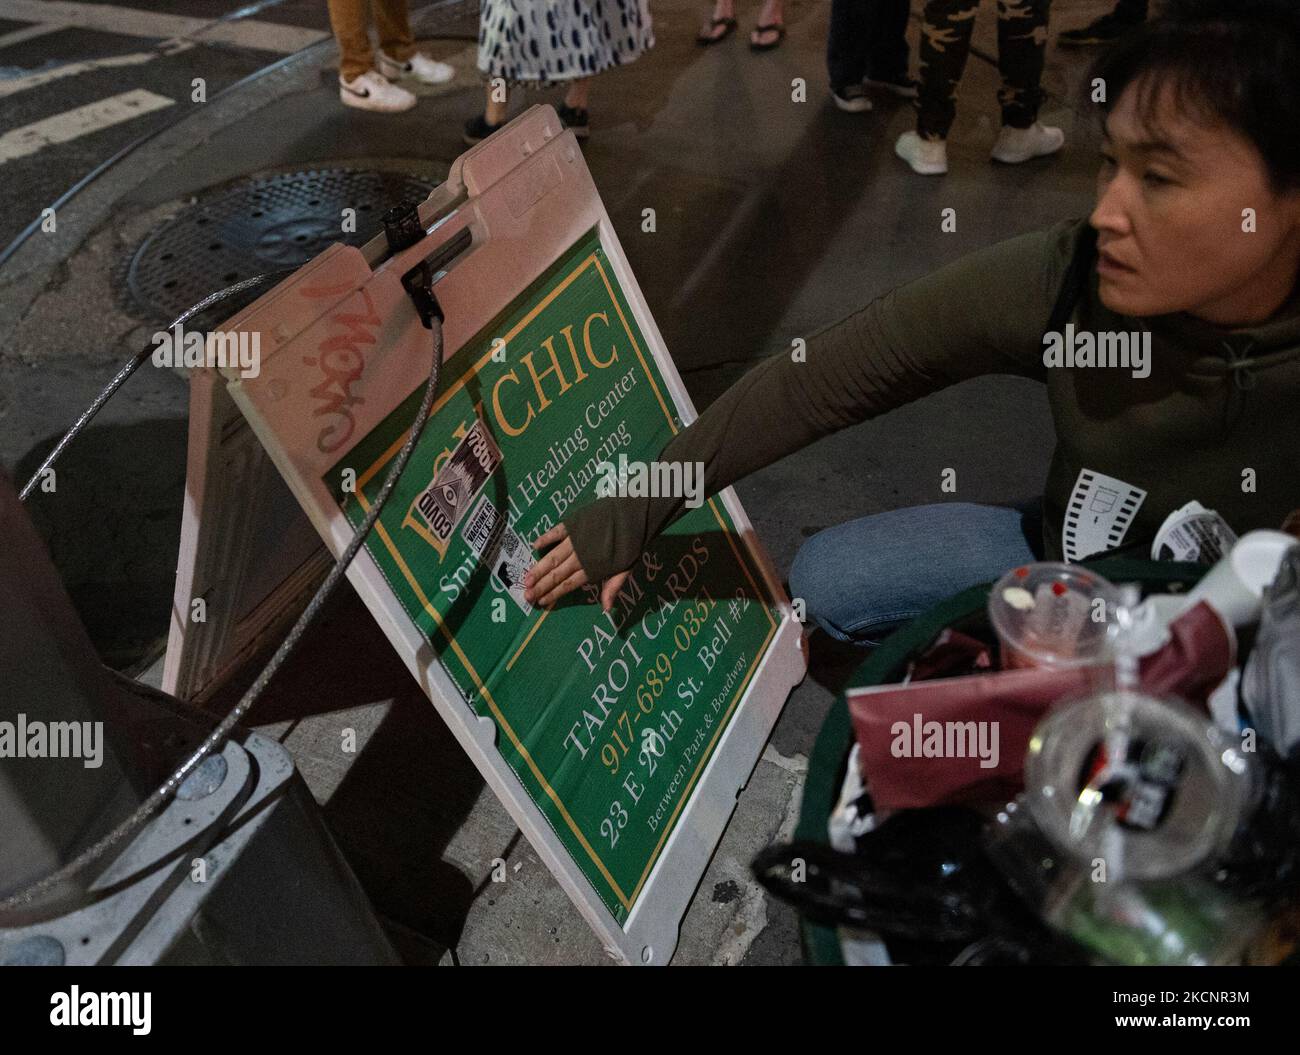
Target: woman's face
x,y
1173,230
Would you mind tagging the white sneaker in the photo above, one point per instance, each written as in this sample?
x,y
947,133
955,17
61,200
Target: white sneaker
x,y
421,67
928,157
369,91
1015,145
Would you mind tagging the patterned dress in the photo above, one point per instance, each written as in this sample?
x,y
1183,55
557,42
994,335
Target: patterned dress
x,y
541,42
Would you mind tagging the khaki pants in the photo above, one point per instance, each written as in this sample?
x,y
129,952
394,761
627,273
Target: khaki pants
x,y
348,20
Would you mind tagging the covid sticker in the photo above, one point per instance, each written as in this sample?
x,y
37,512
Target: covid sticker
x,y
444,502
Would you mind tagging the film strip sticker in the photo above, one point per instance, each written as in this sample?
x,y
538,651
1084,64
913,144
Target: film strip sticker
x,y
1100,511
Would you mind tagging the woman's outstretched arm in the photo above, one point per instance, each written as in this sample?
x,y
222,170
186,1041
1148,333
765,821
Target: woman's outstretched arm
x,y
982,314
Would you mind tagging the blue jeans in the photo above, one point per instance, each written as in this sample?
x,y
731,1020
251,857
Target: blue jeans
x,y
862,579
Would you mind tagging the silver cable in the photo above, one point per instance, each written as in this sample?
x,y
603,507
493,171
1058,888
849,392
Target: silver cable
x,y
133,364
217,737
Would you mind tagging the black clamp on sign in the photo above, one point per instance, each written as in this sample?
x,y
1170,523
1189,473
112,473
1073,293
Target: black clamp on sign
x,y
403,229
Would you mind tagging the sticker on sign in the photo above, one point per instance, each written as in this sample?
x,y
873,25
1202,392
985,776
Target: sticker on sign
x,y
441,505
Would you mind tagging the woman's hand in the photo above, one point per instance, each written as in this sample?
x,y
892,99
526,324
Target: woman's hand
x,y
559,572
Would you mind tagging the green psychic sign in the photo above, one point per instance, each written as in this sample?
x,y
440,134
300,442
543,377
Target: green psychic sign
x,y
607,718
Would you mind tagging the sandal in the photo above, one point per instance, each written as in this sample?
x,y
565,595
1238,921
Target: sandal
x,y
704,39
780,36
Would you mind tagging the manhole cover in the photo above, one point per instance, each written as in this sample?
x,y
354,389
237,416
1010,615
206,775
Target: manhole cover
x,y
258,226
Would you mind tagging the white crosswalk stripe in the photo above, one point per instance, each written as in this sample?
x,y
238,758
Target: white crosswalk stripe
x,y
17,36
132,22
72,124
71,69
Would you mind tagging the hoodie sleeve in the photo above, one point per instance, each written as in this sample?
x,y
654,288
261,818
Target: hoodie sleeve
x,y
982,314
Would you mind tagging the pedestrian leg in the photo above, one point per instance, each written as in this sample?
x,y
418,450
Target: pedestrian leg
x,y
945,47
348,21
1022,48
393,23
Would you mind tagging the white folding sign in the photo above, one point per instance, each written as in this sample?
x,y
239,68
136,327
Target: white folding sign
x,y
618,741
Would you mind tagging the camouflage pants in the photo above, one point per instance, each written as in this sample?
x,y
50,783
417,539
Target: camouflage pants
x,y
945,46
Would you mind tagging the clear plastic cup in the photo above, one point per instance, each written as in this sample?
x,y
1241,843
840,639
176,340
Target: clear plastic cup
x,y
1181,921
1144,783
1053,615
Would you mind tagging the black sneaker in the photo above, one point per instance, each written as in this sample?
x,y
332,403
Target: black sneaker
x,y
576,119
477,129
1105,30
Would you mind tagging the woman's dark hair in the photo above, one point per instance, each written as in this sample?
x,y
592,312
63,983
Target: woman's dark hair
x,y
1230,61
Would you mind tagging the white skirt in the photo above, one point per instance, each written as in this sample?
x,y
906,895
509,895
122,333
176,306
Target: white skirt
x,y
546,41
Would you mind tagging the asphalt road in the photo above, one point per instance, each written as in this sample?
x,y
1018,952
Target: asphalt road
x,y
80,81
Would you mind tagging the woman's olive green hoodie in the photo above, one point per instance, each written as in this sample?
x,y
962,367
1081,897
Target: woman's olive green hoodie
x,y
1217,419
